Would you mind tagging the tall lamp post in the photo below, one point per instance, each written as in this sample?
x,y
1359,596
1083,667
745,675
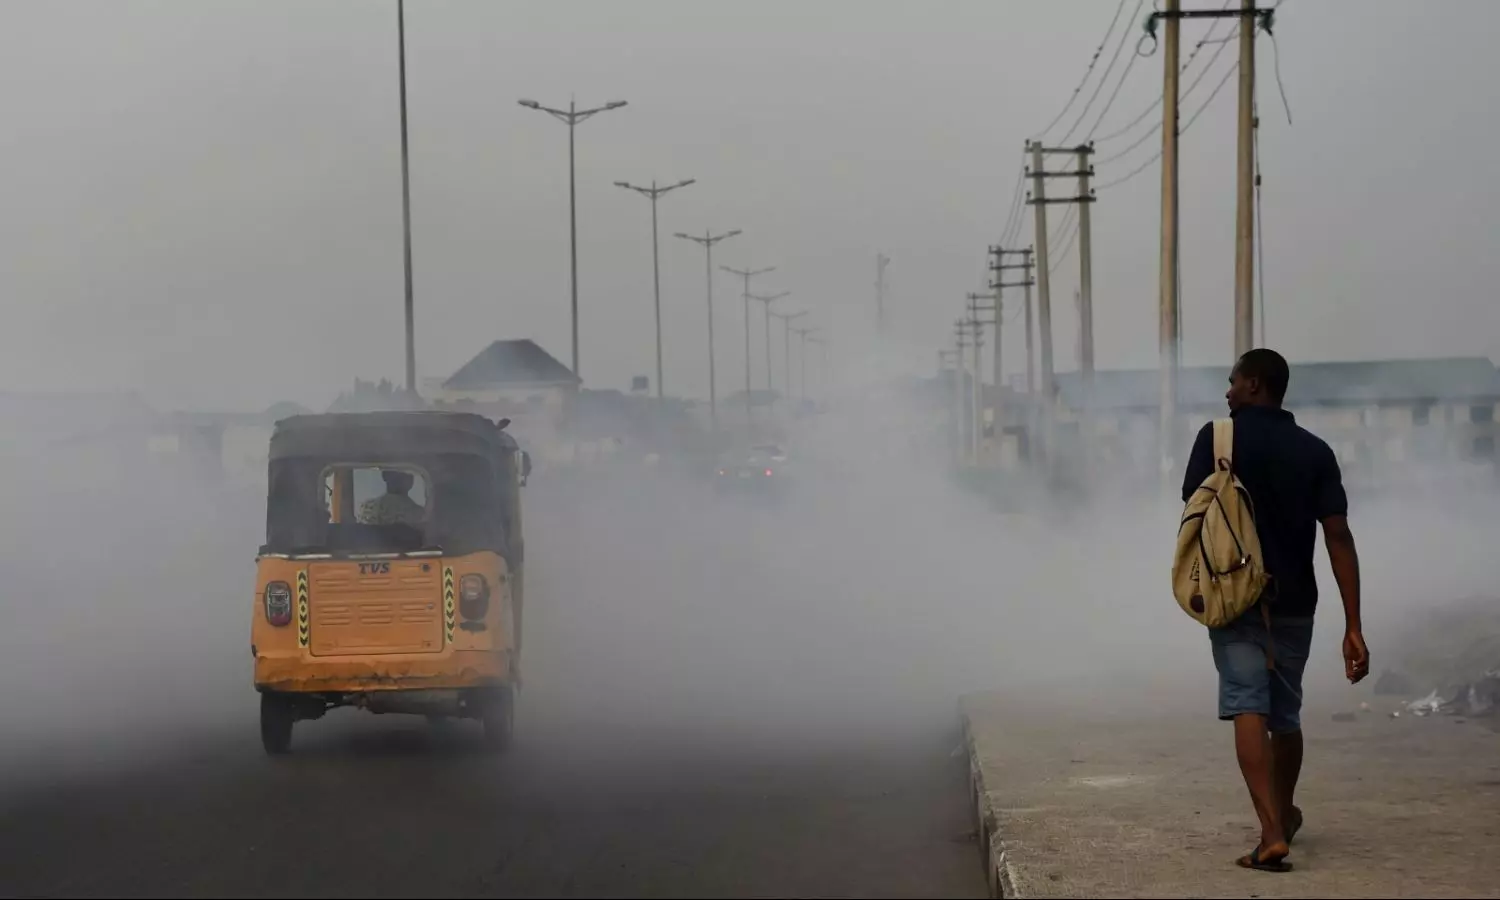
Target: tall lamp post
x,y
822,342
786,352
802,360
653,193
748,274
707,242
411,335
571,117
768,300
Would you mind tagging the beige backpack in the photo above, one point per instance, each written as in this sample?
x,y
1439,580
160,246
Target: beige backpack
x,y
1218,572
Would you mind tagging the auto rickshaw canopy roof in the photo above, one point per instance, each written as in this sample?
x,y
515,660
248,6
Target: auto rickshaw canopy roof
x,y
384,436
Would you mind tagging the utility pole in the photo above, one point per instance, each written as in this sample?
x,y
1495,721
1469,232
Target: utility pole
x,y
786,362
1025,265
748,274
1244,227
1085,276
978,325
945,357
571,117
1250,18
768,300
881,261
1039,199
960,375
411,327
707,242
1170,129
654,193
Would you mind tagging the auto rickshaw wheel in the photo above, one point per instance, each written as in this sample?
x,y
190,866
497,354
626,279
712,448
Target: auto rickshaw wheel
x,y
277,715
498,716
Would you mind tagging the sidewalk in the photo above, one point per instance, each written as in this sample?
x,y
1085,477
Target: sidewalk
x,y
1074,805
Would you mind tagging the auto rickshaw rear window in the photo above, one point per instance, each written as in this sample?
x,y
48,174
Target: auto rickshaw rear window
x,y
444,502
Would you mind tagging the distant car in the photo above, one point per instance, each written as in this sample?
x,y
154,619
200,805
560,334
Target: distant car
x,y
763,467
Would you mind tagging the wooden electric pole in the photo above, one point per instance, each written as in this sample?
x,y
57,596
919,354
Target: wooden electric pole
x,y
1244,226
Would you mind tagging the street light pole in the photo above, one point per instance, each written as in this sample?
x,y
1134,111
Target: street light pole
x,y
571,117
707,242
411,335
802,359
768,301
653,193
747,274
822,342
786,361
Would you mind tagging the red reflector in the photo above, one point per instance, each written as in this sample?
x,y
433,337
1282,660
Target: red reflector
x,y
768,473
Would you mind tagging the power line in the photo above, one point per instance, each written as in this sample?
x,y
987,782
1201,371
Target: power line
x,y
1013,220
1157,155
1086,72
1276,63
1103,78
1157,128
1207,38
1062,254
1124,77
1067,219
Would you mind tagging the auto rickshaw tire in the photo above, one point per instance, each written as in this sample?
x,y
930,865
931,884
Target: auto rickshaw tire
x,y
498,718
277,715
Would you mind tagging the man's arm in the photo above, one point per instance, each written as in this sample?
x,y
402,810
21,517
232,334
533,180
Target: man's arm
x,y
1345,562
1333,512
1200,462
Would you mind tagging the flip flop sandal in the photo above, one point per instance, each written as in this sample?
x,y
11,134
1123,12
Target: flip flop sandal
x,y
1253,861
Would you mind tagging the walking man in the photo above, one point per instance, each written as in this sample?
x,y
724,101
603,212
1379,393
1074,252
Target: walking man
x,y
1294,483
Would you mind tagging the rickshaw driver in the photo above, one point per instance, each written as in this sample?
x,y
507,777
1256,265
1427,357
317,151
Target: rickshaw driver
x,y
395,506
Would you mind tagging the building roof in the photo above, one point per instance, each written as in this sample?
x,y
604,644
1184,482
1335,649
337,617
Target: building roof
x,y
1313,384
511,363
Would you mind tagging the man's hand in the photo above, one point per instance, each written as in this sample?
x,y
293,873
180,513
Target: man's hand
x,y
1356,656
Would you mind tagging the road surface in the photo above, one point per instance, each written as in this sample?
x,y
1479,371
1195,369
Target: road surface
x,y
701,717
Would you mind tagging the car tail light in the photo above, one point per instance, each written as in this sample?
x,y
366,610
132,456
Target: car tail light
x,y
278,600
768,473
473,596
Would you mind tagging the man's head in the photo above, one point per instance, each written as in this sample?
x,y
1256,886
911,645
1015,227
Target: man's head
x,y
396,481
1259,379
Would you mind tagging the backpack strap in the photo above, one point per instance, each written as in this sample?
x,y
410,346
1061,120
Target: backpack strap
x,y
1224,462
1224,444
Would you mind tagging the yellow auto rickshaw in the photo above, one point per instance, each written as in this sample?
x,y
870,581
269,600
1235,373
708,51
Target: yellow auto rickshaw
x,y
391,575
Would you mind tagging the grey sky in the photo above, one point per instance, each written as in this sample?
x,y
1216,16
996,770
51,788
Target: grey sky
x,y
202,199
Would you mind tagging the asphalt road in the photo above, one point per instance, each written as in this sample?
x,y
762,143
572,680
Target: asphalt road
x,y
718,703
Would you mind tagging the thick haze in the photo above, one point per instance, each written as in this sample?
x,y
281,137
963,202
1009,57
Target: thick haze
x,y
202,200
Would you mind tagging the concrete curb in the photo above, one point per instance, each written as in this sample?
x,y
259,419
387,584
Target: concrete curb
x,y
998,873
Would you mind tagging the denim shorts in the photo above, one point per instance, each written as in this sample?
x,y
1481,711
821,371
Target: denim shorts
x,y
1246,685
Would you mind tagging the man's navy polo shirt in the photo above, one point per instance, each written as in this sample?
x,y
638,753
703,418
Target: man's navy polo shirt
x,y
1294,481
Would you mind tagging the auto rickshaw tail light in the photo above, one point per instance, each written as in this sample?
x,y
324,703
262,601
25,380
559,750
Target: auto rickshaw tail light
x,y
278,600
473,596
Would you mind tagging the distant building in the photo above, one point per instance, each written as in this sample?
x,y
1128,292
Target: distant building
x,y
510,373
1386,419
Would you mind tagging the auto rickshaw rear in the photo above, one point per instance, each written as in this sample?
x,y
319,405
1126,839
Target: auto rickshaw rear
x,y
391,576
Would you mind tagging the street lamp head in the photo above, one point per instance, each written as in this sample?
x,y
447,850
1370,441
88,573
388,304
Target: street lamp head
x,y
686,237
530,104
730,234
624,184
614,104
685,182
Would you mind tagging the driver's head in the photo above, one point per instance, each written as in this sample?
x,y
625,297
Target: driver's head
x,y
396,481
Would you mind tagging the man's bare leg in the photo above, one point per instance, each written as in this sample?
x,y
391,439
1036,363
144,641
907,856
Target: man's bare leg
x,y
1286,766
1252,744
